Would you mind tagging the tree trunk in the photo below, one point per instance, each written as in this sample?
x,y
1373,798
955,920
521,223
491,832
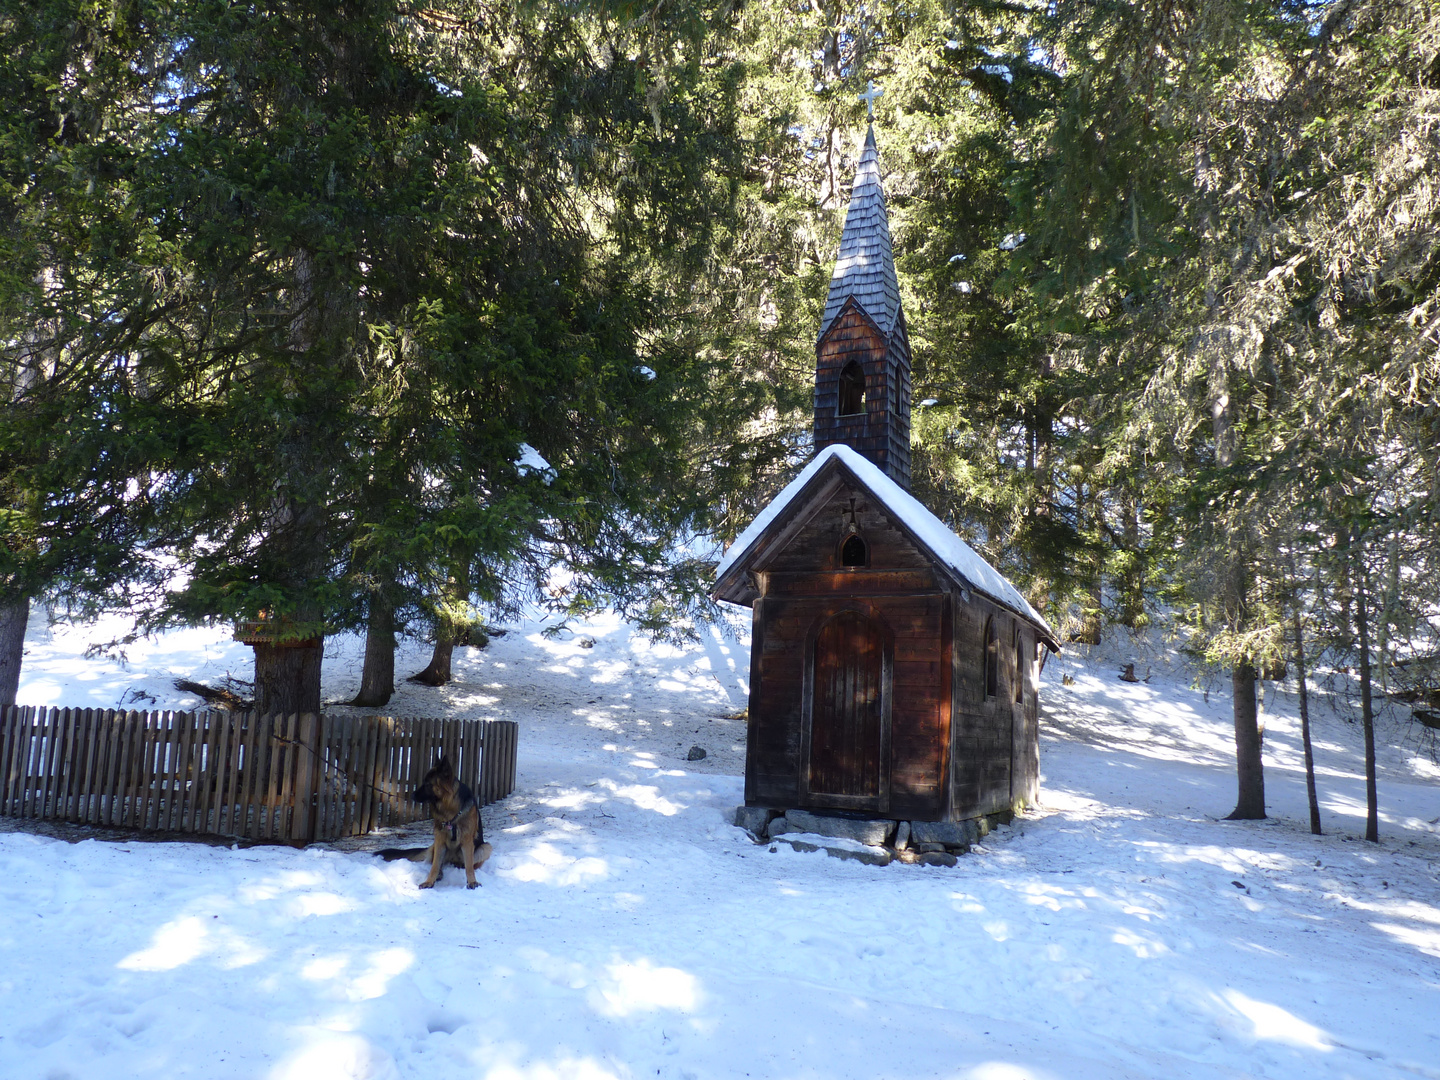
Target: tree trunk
x,y
1092,622
1305,723
13,619
1092,617
1345,591
287,677
1250,806
1130,588
437,673
287,673
451,623
1367,714
377,679
1249,767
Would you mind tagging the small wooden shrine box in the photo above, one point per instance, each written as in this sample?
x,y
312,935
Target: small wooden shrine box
x,y
892,670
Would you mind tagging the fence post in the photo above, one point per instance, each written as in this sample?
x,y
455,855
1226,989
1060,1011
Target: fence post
x,y
35,786
9,742
512,760
307,771
487,762
9,739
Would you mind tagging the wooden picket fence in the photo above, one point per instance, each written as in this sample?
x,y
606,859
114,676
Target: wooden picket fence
x,y
292,779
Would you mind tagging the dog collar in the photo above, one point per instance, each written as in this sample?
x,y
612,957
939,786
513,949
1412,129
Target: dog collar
x,y
451,825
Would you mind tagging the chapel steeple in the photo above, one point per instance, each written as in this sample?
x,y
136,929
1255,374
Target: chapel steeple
x,y
862,354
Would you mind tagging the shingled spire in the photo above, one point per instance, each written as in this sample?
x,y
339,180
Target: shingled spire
x,y
862,370
866,266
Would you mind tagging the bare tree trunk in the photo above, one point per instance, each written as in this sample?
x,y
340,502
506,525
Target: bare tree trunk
x,y
1249,765
1250,805
1345,590
1092,624
1092,619
1131,586
377,679
287,677
437,672
1367,713
1305,723
448,627
13,619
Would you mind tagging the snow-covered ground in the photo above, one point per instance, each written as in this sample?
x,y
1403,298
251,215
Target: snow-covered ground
x,y
626,929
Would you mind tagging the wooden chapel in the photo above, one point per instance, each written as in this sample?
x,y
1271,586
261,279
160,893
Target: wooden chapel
x,y
893,671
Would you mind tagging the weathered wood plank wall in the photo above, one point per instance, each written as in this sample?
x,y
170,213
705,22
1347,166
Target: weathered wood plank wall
x,y
996,745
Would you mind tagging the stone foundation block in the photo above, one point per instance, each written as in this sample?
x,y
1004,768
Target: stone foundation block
x,y
949,833
927,858
870,832
753,819
869,854
779,826
937,858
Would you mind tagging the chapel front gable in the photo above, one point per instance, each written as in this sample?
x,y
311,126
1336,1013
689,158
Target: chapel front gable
x,y
848,542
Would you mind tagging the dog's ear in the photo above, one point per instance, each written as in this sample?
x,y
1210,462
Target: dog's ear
x,y
443,766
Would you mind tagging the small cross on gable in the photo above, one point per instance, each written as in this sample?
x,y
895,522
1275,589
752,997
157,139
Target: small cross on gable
x,y
871,93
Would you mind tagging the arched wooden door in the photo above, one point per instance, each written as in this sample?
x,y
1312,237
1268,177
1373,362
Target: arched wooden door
x,y
847,709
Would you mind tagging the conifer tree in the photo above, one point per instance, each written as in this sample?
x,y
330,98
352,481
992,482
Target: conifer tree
x,y
73,77
371,251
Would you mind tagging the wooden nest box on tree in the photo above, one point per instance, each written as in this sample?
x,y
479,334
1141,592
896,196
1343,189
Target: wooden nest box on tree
x,y
893,671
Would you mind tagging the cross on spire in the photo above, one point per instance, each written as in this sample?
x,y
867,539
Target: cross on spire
x,y
871,93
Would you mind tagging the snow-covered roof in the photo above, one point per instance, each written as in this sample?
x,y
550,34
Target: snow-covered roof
x,y
947,548
866,266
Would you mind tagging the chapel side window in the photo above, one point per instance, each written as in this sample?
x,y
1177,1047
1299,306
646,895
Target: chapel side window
x,y
1019,667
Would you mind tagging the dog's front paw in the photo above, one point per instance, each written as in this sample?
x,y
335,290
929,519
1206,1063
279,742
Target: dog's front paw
x,y
427,884
473,885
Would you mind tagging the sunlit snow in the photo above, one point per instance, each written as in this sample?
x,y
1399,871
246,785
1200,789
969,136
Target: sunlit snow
x,y
627,930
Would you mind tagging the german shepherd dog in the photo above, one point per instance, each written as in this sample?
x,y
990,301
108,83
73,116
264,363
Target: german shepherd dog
x,y
459,838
